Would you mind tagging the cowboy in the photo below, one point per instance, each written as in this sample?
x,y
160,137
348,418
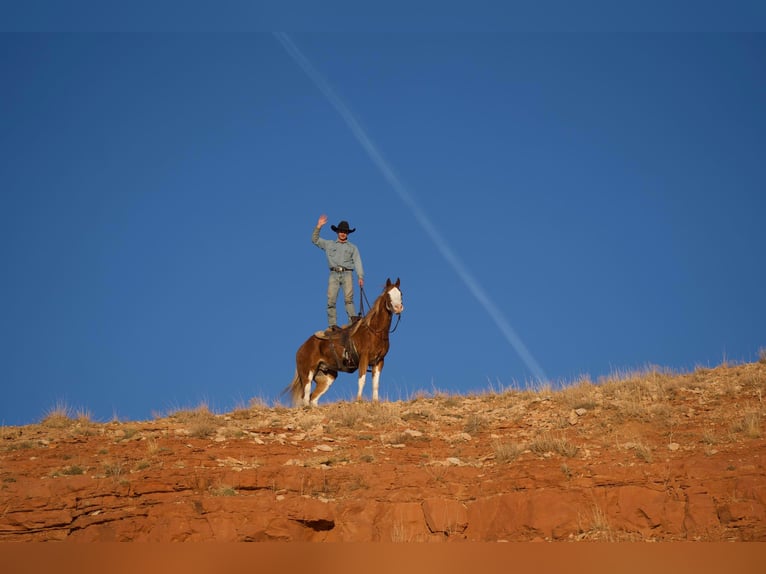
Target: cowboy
x,y
343,258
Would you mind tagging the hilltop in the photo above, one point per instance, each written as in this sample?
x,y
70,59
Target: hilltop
x,y
647,456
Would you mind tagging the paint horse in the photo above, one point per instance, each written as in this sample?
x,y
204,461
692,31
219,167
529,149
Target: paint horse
x,y
359,346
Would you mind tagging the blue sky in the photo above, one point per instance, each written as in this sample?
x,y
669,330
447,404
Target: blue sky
x,y
600,195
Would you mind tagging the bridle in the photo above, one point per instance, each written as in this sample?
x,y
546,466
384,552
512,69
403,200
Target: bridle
x,y
363,299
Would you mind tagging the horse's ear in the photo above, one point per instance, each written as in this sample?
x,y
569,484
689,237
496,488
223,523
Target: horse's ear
x,y
388,282
397,282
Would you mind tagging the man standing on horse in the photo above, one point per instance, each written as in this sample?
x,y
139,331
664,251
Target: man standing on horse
x,y
343,259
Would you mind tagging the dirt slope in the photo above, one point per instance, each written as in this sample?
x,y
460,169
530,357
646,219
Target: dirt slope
x,y
646,456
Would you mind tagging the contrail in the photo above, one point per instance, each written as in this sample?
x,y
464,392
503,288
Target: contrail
x,y
439,241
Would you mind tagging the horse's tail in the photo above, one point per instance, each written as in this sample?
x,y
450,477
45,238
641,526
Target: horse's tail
x,y
295,389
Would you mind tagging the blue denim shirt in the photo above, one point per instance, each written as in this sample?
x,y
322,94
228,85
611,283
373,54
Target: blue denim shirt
x,y
339,254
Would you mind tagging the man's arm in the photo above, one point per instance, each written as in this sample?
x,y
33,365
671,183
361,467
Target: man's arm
x,y
315,234
358,266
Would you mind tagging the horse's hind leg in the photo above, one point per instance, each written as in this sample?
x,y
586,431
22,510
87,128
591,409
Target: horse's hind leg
x,y
323,380
307,388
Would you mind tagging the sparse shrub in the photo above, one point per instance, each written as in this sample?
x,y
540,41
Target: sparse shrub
x,y
62,415
417,415
400,438
59,416
113,469
507,451
202,429
548,442
581,395
73,470
223,491
233,433
599,527
643,452
661,414
762,355
23,445
708,437
257,403
350,415
475,424
152,447
201,422
128,433
83,416
452,401
749,425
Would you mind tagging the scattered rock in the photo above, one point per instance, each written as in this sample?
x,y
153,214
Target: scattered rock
x,y
462,436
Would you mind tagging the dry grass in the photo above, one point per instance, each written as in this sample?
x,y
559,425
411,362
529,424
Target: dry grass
x,y
72,470
359,415
200,422
507,451
113,469
748,425
548,442
643,452
223,490
58,416
475,423
597,527
583,394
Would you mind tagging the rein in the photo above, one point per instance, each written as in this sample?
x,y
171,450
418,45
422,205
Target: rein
x,y
362,300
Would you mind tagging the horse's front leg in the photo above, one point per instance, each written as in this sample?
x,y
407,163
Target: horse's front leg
x,y
363,362
376,369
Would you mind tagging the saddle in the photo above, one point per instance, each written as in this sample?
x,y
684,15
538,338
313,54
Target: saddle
x,y
345,330
328,334
348,361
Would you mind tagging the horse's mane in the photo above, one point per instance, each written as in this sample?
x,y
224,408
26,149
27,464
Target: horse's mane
x,y
377,306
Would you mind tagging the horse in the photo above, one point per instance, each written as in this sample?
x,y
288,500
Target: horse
x,y
358,346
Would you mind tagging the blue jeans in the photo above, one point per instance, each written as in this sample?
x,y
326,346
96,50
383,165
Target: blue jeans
x,y
336,280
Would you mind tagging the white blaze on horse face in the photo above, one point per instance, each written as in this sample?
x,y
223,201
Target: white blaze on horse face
x,y
395,296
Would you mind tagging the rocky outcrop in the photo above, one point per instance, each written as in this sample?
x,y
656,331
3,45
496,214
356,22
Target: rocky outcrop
x,y
682,458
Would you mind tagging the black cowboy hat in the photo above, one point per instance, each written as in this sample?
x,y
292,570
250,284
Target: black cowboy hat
x,y
342,228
